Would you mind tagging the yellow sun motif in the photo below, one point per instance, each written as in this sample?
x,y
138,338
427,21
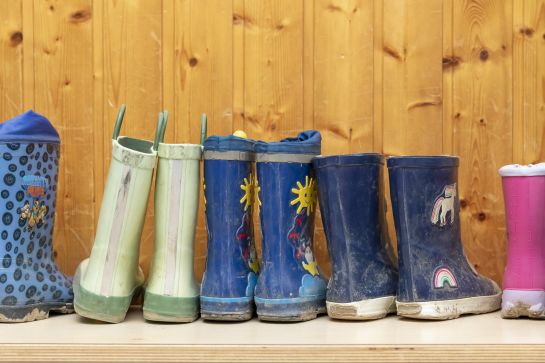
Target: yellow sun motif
x,y
306,195
247,187
257,189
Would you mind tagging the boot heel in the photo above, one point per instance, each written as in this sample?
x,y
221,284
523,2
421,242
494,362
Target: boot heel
x,y
111,309
294,310
369,309
170,308
227,309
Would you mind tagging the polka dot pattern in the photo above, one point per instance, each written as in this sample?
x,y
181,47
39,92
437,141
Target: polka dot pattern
x,y
29,274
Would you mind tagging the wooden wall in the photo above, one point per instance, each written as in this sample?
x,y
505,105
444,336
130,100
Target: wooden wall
x,y
400,77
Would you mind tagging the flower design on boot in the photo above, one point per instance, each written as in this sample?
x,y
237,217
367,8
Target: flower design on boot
x,y
306,195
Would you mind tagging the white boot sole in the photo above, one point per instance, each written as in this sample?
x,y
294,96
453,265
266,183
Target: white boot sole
x,y
370,309
517,303
449,309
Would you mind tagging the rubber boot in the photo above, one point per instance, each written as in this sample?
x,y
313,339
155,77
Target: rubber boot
x,y
363,282
31,285
107,281
290,286
524,279
436,281
227,290
172,295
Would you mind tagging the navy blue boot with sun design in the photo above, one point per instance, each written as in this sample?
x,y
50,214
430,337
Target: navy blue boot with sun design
x,y
290,286
227,290
31,285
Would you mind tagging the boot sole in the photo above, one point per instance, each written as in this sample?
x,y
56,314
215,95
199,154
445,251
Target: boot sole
x,y
170,309
110,309
290,310
23,314
227,309
449,309
369,309
526,303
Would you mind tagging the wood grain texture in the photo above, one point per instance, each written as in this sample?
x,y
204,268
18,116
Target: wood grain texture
x,y
483,129
412,77
271,353
394,76
63,73
11,59
132,61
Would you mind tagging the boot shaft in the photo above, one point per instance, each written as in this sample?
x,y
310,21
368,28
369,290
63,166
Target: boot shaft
x,y
288,198
524,195
231,262
176,204
432,263
352,208
30,150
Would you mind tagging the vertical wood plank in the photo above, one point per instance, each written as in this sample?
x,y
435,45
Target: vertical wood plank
x,y
98,105
378,120
532,32
204,79
28,54
308,64
132,36
273,63
238,64
412,77
343,84
518,81
63,60
11,59
483,130
450,63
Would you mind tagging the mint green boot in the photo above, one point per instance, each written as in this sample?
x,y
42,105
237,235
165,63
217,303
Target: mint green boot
x,y
172,295
106,282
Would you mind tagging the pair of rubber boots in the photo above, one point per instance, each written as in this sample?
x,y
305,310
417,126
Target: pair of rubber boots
x,y
106,283
434,279
31,285
524,278
289,286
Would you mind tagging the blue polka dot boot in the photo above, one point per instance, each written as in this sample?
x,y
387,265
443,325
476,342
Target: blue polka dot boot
x,y
31,284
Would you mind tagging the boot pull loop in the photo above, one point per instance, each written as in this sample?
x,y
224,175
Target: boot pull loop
x,y
161,126
204,121
119,121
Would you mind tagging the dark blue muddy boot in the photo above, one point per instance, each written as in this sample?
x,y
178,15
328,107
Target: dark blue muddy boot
x,y
227,290
290,286
436,281
31,284
363,282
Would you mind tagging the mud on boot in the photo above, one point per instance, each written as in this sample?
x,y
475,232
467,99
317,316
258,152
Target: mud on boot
x,y
106,283
363,282
31,285
290,286
227,289
436,281
524,278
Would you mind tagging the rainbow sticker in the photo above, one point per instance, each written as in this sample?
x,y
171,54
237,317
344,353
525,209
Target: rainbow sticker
x,y
443,276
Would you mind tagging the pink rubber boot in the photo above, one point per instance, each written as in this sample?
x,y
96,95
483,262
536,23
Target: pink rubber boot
x,y
524,279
